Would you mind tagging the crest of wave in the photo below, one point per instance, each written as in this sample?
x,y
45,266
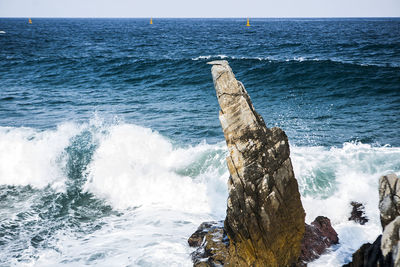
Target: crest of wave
x,y
135,166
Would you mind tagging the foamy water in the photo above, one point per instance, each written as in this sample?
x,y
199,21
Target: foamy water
x,y
77,190
331,178
159,192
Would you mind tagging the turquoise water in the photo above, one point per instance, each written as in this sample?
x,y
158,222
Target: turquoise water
x,y
111,152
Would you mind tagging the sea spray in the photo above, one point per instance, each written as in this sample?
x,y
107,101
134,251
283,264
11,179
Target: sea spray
x,y
158,190
33,157
141,195
135,166
330,178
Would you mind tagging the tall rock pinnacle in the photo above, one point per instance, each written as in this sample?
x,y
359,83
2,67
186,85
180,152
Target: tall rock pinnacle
x,y
265,217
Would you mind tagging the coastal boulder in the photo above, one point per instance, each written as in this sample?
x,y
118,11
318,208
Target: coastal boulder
x,y
212,243
391,241
318,237
265,217
389,198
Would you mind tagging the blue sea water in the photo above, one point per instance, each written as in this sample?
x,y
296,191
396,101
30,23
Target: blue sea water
x,y
111,152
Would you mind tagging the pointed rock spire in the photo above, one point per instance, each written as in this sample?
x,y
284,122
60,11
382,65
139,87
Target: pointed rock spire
x,y
265,217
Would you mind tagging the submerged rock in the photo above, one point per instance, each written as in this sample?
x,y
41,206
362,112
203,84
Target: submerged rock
x,y
358,213
265,217
318,236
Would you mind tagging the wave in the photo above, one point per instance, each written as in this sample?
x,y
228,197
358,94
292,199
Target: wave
x,y
117,64
272,59
162,190
34,157
131,165
135,166
209,56
62,181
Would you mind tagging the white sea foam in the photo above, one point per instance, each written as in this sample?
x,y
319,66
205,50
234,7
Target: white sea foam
x,y
28,156
266,58
331,178
210,56
296,58
229,57
163,192
135,166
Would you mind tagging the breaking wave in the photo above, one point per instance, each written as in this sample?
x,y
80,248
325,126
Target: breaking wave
x,y
274,59
159,192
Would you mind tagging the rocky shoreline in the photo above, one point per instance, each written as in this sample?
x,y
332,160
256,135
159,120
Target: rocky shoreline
x,y
385,250
265,221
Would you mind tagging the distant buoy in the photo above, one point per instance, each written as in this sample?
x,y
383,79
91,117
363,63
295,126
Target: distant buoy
x,y
30,21
151,20
248,23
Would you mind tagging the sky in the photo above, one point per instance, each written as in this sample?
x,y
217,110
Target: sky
x,y
200,8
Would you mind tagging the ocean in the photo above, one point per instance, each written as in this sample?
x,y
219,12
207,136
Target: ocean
x,y
112,154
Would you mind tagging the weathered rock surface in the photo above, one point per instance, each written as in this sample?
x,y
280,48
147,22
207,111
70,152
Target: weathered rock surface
x,y
385,250
389,198
196,239
358,213
265,217
391,241
213,245
318,236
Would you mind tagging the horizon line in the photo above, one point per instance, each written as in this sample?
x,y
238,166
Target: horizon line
x,y
147,17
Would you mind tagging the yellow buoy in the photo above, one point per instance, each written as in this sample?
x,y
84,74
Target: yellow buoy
x,y
30,21
151,20
248,23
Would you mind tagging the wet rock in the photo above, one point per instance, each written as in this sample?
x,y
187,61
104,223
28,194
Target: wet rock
x,y
265,217
370,255
318,237
358,213
196,239
389,198
213,250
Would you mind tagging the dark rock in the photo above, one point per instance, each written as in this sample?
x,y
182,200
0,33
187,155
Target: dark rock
x,y
318,236
265,217
213,242
197,237
370,255
213,250
324,225
358,213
